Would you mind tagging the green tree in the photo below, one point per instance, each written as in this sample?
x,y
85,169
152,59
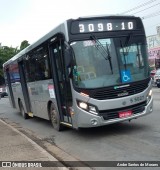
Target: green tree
x,y
24,44
8,52
5,54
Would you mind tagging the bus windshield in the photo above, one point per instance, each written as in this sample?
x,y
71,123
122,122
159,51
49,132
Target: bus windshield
x,y
110,61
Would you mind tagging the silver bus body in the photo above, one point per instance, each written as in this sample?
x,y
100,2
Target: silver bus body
x,y
84,110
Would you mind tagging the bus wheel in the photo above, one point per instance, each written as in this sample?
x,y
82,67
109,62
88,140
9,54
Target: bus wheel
x,y
25,116
55,118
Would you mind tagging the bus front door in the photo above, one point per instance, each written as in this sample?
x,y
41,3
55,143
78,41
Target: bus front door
x,y
62,86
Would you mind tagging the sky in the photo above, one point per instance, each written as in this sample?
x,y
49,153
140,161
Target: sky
x,y
31,19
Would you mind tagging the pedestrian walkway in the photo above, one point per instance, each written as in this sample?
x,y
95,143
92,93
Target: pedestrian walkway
x,y
15,146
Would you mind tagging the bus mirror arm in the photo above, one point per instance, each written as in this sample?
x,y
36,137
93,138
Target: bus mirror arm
x,y
68,58
68,62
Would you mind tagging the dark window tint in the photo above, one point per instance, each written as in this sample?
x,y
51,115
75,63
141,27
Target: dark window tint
x,y
14,73
37,65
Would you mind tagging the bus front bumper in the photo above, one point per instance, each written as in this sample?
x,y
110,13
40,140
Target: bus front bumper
x,y
86,119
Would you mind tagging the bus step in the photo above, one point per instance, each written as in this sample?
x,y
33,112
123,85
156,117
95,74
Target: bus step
x,y
30,114
66,124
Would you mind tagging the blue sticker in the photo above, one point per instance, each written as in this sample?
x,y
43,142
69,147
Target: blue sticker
x,y
125,76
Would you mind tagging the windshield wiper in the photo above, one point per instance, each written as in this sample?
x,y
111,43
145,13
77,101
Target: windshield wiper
x,y
109,58
140,63
124,55
128,39
105,53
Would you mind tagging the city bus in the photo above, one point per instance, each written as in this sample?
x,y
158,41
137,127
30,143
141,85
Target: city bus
x,y
87,72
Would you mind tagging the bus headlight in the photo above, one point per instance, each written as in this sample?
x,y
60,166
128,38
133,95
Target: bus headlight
x,y
83,105
149,96
90,108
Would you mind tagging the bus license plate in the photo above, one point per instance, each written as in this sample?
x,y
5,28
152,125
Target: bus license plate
x,y
125,114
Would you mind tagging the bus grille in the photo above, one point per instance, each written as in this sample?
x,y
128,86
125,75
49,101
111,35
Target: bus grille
x,y
113,113
111,93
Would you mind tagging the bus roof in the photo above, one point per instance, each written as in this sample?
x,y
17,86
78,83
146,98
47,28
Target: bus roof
x,y
62,28
107,15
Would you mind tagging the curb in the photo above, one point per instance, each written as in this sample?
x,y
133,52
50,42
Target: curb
x,y
43,151
64,159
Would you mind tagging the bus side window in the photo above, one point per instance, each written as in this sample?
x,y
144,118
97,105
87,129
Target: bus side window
x,y
42,66
40,70
29,67
32,69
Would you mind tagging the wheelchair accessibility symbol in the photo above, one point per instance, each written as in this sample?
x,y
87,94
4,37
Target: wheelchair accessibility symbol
x,y
125,76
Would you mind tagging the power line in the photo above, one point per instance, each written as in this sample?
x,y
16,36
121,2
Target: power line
x,y
150,27
151,15
139,6
145,9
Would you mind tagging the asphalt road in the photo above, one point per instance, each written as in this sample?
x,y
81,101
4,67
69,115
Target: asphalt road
x,y
138,140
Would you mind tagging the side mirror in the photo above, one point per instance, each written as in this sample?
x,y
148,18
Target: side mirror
x,y
68,58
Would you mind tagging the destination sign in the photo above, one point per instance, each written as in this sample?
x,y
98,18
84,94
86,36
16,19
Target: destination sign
x,y
94,25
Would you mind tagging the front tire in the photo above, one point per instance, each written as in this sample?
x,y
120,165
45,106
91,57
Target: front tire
x,y
21,108
55,118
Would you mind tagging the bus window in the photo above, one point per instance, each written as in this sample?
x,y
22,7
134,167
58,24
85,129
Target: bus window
x,y
14,73
42,66
29,66
42,69
37,66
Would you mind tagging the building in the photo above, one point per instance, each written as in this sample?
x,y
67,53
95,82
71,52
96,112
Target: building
x,y
153,42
